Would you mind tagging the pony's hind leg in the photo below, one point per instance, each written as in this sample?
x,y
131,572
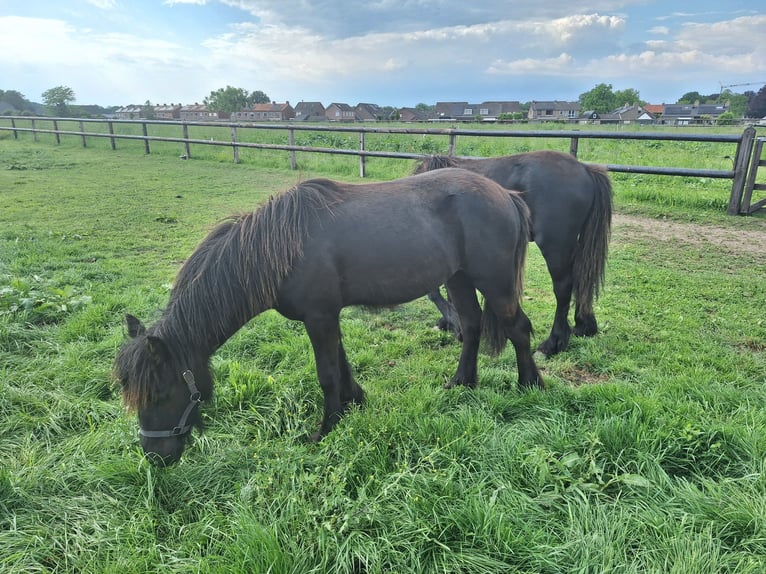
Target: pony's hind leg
x,y
463,295
585,320
350,391
560,269
324,332
450,321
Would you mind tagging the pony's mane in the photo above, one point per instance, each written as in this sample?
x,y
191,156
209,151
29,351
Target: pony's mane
x,y
232,275
433,162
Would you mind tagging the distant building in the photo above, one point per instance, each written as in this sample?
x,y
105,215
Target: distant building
x,y
167,112
338,112
685,114
412,115
200,113
129,113
553,111
310,112
624,115
368,113
272,112
485,111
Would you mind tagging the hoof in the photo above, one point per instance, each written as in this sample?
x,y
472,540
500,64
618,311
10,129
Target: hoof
x,y
456,383
585,327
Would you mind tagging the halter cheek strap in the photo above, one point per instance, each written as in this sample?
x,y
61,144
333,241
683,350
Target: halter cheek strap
x,y
195,398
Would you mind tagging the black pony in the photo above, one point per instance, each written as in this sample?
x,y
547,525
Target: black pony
x,y
313,250
571,214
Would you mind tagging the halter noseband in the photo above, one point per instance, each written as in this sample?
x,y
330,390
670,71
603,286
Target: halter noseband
x,y
195,398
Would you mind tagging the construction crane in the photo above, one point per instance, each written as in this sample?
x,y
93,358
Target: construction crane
x,y
727,86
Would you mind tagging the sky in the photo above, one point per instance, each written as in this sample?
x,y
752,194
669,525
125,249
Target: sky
x,y
388,52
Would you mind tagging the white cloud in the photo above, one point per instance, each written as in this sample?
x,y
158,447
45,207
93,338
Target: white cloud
x,y
103,4
551,66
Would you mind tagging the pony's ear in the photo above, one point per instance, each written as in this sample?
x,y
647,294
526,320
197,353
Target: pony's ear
x,y
157,348
135,327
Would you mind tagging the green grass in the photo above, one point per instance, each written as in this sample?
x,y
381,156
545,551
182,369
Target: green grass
x,y
647,452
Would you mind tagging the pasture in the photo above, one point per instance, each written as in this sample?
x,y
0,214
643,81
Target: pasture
x,y
646,453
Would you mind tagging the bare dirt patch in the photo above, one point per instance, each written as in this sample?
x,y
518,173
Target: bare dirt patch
x,y
747,238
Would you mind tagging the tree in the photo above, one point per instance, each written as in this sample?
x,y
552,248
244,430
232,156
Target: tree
x,y
58,99
600,99
259,97
757,107
15,99
629,97
738,103
231,99
147,111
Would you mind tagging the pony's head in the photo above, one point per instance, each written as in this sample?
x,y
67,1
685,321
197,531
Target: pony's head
x,y
163,389
432,162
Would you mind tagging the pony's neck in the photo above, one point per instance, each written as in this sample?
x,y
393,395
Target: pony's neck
x,y
201,323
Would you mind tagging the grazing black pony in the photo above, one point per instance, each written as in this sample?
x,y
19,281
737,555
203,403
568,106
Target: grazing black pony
x,y
571,213
313,250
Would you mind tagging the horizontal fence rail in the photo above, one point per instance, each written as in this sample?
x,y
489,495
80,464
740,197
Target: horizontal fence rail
x,y
737,174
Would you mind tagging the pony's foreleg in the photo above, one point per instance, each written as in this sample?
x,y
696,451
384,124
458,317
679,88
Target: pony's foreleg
x,y
324,333
519,331
506,319
463,294
450,319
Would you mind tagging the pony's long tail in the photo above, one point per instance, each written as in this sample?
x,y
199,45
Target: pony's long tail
x,y
593,243
493,331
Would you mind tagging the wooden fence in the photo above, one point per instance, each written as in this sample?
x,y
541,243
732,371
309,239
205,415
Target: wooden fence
x,y
743,162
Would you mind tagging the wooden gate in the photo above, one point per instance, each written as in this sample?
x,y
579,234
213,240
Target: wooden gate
x,y
748,206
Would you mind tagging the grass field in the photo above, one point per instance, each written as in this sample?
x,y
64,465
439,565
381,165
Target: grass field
x,y
646,453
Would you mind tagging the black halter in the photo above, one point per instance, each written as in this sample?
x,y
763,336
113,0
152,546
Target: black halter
x,y
195,398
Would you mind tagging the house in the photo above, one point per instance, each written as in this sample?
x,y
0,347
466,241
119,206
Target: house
x,y
129,113
485,111
655,109
167,112
200,113
411,115
449,110
272,112
491,111
337,112
553,111
685,114
623,115
369,113
310,112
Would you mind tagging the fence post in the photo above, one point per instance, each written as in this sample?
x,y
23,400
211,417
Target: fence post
x,y
82,132
291,141
741,161
573,145
56,129
34,131
234,141
15,133
186,143
361,156
452,137
111,131
146,137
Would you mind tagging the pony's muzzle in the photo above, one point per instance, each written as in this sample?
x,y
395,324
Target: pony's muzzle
x,y
164,451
